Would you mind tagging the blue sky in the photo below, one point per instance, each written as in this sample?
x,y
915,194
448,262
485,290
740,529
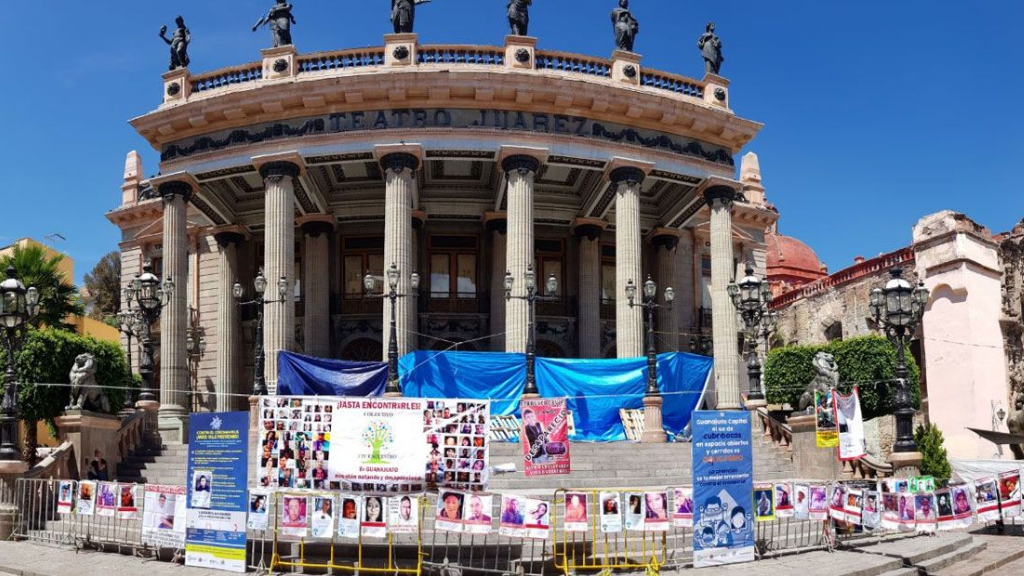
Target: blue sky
x,y
876,113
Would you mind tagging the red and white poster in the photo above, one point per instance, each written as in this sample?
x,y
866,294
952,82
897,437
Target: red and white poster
x,y
850,421
1009,494
545,436
954,507
986,493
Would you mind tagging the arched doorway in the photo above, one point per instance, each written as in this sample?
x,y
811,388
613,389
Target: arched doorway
x,y
363,350
548,349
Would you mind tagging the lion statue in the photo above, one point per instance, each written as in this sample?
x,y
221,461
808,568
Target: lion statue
x,y
826,377
1015,423
86,394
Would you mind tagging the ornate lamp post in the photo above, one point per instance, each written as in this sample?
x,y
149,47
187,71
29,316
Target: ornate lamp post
x,y
259,375
18,305
195,347
149,296
752,296
393,276
897,309
701,344
531,298
130,325
649,304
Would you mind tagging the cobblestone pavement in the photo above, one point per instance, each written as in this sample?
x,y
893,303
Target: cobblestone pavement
x,y
26,559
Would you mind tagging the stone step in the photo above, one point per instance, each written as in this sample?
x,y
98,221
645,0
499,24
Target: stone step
x,y
948,559
1000,555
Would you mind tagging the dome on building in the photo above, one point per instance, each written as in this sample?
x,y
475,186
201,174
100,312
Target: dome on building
x,y
791,263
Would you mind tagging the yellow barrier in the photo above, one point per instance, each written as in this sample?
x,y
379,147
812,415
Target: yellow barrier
x,y
595,550
391,566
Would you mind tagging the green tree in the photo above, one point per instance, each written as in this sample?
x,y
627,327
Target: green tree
x,y
58,296
103,287
869,362
43,368
934,459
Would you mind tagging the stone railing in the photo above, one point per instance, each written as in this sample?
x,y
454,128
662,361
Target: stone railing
x,y
132,434
775,431
867,468
866,268
461,54
340,60
245,73
402,51
573,63
60,462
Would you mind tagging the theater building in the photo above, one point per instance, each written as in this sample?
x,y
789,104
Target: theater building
x,y
456,162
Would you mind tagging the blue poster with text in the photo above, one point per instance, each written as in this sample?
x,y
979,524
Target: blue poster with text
x,y
723,484
218,460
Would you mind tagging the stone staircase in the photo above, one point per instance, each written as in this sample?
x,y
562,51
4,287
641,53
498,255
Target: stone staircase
x,y
163,465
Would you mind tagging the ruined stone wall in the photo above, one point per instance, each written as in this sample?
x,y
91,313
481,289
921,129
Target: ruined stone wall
x,y
1011,257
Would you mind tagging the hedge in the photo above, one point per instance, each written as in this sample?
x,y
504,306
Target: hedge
x,y
867,361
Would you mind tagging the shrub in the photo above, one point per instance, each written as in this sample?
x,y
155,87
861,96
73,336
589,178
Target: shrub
x,y
46,358
934,460
867,361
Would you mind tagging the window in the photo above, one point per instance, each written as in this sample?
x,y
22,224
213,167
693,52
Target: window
x,y
359,255
550,261
453,267
607,274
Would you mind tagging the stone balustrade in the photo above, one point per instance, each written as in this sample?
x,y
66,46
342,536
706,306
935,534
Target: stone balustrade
x,y
517,55
866,268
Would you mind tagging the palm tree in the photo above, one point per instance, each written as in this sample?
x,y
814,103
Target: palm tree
x,y
58,296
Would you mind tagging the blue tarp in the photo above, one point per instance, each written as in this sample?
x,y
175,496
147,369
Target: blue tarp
x,y
300,375
596,389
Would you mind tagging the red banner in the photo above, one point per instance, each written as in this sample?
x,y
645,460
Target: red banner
x,y
544,435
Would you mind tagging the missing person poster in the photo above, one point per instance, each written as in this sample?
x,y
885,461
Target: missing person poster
x,y
545,436
854,506
850,422
512,522
954,507
611,513
682,507
128,501
576,511
218,461
1009,494
872,512
633,517
802,501
403,514
163,516
373,524
837,503
784,507
723,469
106,500
351,512
817,509
764,502
321,523
449,511
826,433
294,515
656,513
476,514
537,520
85,503
457,433
926,513
65,497
986,493
259,503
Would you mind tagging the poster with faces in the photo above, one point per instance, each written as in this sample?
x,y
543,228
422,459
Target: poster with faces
x,y
457,432
85,504
576,512
294,515
476,514
259,503
350,507
682,507
373,524
106,499
65,497
403,514
633,515
321,522
295,442
611,512
801,501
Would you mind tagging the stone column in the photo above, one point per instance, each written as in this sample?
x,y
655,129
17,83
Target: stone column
x,y
687,298
497,224
399,174
666,243
520,170
231,390
723,315
629,322
316,321
279,261
589,323
173,415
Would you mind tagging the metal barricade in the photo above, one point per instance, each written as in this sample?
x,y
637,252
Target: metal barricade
x,y
395,554
594,550
450,553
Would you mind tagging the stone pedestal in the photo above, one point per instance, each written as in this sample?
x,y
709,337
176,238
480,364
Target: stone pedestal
x,y
279,62
400,49
177,85
753,405
10,471
906,464
519,52
626,67
654,432
89,431
809,460
716,90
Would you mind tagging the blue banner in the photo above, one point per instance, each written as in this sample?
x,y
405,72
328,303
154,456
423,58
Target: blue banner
x,y
300,375
723,484
218,460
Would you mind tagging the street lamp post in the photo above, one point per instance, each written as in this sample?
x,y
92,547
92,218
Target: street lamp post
x,y
131,326
531,297
897,309
18,305
650,304
393,276
752,296
149,296
259,375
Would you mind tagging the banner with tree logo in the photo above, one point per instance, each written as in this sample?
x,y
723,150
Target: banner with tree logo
x,y
381,441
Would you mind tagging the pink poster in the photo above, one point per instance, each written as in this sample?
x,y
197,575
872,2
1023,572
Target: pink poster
x,y
545,436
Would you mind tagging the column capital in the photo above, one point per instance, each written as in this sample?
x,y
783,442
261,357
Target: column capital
x,y
496,221
627,170
522,158
231,234
398,157
589,228
419,219
175,184
313,225
726,194
284,164
667,238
